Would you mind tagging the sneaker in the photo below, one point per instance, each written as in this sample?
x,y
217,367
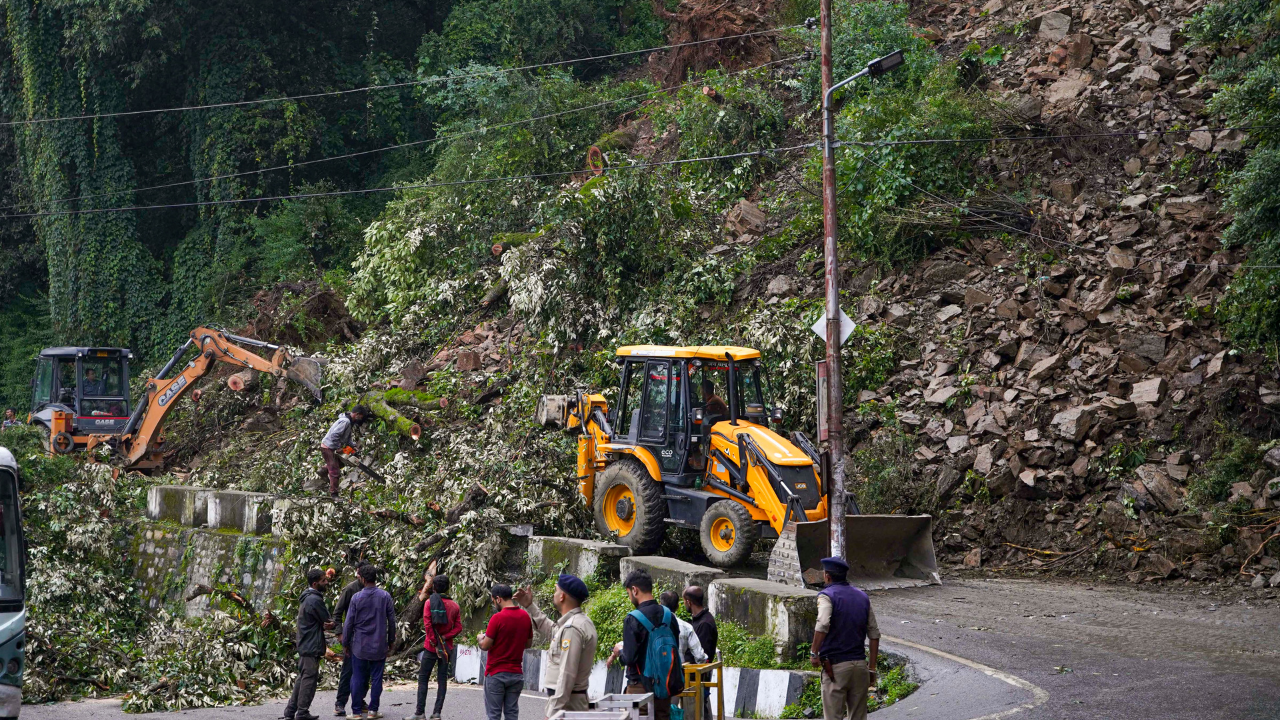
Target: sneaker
x,y
373,715
435,716
339,710
308,716
416,717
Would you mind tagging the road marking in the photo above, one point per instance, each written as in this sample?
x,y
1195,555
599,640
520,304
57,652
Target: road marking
x,y
1038,695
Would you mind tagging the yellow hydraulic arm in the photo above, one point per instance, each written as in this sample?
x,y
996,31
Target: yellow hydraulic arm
x,y
142,434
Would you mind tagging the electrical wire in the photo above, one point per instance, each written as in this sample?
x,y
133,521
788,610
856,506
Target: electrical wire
x,y
1052,241
397,188
390,86
389,148
1035,138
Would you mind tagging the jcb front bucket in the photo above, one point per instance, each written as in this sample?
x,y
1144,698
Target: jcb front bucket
x,y
307,371
883,551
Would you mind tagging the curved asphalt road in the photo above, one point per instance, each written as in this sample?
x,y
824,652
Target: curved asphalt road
x,y
1001,649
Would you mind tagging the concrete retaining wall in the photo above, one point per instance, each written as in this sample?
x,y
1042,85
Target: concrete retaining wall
x,y
196,507
671,574
170,561
786,614
747,692
549,555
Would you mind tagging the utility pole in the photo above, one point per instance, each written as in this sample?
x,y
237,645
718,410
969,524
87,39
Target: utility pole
x,y
835,389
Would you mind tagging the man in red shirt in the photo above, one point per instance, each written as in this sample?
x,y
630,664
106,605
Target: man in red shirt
x,y
509,633
438,651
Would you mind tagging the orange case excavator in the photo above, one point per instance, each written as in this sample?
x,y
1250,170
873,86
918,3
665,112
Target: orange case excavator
x,y
81,411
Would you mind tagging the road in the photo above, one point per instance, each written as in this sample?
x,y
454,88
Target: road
x,y
1006,649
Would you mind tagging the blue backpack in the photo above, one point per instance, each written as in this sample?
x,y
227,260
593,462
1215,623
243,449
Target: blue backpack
x,y
662,663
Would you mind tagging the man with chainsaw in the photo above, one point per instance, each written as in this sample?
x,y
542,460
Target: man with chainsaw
x,y
573,643
338,440
845,623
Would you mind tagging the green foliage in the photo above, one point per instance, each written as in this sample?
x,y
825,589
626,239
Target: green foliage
x,y
25,323
1235,459
880,473
608,608
740,648
1248,98
301,239
862,32
742,117
507,33
991,56
893,683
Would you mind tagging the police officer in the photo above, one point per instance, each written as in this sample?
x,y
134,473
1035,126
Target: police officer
x,y
573,643
845,623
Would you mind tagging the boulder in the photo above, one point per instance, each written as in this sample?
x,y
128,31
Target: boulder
x,y
1150,391
781,285
1166,493
1044,369
1054,26
1073,424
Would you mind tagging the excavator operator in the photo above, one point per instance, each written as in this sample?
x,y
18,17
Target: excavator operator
x,y
337,440
712,404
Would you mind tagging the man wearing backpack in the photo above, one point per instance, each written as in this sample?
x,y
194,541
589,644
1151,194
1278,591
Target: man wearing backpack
x,y
651,646
442,622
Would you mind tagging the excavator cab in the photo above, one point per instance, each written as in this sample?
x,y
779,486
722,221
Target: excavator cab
x,y
78,392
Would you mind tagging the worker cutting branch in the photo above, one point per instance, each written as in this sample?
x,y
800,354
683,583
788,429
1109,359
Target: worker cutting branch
x,y
338,440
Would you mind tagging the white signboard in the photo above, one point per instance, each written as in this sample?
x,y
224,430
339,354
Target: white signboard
x,y
846,327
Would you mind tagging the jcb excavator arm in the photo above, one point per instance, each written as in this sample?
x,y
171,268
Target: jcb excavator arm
x,y
142,433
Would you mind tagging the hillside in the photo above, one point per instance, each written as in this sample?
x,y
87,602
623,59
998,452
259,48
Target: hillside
x,y
1056,239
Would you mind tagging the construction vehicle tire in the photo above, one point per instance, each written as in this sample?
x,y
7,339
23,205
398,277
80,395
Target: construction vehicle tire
x,y
629,503
63,443
728,533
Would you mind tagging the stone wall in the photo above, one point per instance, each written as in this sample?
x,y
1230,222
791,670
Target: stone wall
x,y
170,560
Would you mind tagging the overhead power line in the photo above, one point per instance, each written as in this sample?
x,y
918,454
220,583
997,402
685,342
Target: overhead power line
x,y
388,148
389,86
398,188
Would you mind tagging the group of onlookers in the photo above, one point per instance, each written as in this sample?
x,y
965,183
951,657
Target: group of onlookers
x,y
655,645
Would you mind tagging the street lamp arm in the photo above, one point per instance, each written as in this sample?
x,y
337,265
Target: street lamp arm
x,y
826,97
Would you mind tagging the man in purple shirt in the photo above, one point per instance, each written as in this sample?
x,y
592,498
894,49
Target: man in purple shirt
x,y
367,636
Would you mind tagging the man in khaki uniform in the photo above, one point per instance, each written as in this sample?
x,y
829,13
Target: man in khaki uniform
x,y
573,643
845,623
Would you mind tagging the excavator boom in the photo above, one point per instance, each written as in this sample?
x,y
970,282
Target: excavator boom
x,y
141,436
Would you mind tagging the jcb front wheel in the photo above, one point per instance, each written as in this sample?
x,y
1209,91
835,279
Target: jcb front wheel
x,y
728,533
629,503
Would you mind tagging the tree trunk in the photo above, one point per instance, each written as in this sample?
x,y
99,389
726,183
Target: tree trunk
x,y
496,293
244,380
474,498
397,422
415,399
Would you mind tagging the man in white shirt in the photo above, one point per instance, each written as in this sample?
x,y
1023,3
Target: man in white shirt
x,y
690,646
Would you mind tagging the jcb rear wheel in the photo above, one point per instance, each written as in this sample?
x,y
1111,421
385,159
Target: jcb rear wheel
x,y
728,533
629,503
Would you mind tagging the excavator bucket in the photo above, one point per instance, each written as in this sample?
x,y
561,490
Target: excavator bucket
x,y
883,552
309,373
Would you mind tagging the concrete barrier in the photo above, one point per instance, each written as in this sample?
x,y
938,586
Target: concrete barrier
x,y
785,613
240,511
580,557
669,573
172,503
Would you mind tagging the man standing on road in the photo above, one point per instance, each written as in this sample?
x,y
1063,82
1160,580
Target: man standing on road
x,y
368,633
635,642
690,646
313,620
573,643
510,631
438,651
336,440
339,616
845,623
10,418
704,626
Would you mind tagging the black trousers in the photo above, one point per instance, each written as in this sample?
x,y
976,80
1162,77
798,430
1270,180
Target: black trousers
x,y
344,683
442,665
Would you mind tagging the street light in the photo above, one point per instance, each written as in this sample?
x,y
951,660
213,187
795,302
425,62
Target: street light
x,y
835,391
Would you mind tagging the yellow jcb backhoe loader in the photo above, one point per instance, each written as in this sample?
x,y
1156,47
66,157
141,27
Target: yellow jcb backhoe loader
x,y
80,395
688,444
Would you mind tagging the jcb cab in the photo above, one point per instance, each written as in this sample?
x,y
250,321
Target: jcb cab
x,y
688,443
